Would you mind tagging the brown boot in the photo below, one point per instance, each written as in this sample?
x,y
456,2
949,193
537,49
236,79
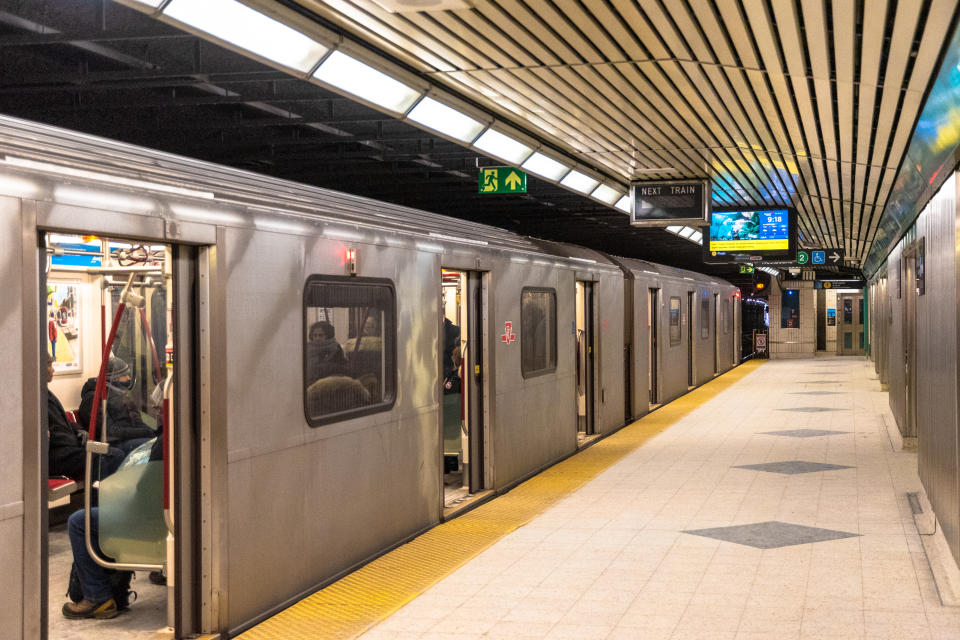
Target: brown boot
x,y
86,609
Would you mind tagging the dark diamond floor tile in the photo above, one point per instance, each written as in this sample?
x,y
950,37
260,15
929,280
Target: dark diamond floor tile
x,y
771,535
810,409
816,393
803,433
792,467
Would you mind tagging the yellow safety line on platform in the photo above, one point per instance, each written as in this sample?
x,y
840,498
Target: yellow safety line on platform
x,y
358,601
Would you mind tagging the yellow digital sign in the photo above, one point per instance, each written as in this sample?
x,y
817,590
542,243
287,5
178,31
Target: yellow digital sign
x,y
750,245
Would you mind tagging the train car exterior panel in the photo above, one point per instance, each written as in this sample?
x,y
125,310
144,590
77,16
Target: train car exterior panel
x,y
610,362
14,351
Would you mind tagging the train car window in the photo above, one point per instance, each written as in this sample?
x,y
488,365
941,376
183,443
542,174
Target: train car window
x,y
349,354
538,332
675,333
705,318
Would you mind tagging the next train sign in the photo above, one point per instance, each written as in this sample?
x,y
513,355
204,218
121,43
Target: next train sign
x,y
675,202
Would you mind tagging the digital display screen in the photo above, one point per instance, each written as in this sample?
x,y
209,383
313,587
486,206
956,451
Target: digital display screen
x,y
759,230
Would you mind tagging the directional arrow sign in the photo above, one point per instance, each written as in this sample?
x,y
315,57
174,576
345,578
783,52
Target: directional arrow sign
x,y
502,180
835,256
829,257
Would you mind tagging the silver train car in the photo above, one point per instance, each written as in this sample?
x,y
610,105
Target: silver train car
x,y
465,359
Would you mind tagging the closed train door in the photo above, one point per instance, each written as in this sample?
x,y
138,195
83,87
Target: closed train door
x,y
585,360
115,311
691,379
462,348
716,333
653,335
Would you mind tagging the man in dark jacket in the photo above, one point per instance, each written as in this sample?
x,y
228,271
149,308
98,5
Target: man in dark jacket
x,y
66,445
66,455
125,428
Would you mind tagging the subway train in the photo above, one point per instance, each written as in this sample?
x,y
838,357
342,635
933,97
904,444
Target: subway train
x,y
338,375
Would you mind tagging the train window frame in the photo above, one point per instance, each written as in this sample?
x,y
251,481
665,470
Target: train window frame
x,y
552,366
389,350
675,314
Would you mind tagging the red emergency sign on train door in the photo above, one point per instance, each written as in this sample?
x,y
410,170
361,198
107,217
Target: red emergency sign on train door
x,y
508,334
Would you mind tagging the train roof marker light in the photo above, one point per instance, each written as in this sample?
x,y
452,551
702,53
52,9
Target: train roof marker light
x,y
623,204
502,146
360,79
242,26
446,120
545,167
605,194
579,182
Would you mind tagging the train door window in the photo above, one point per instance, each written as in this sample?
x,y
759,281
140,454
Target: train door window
x,y
538,332
716,333
349,350
704,317
584,360
89,281
675,329
726,317
847,311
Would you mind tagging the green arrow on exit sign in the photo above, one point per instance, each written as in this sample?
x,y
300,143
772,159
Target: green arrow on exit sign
x,y
502,180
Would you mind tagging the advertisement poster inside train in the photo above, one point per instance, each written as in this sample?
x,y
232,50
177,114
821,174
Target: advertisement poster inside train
x,y
63,326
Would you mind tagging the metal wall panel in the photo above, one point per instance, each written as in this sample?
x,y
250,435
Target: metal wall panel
x,y
895,370
936,342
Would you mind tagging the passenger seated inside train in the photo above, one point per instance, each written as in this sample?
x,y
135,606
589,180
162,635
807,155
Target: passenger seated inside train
x,y
348,377
126,429
94,590
66,455
324,355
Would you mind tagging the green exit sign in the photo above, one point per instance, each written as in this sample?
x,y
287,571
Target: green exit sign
x,y
746,268
502,180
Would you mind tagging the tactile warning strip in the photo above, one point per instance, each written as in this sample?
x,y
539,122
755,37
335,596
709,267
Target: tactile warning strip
x,y
358,601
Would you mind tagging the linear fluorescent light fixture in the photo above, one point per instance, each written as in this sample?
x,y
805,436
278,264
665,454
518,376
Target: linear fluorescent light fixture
x,y
674,229
579,182
545,167
606,194
623,204
503,146
685,232
697,237
446,120
150,3
365,82
24,163
244,27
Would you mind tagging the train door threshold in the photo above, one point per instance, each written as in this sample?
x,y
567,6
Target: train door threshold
x,y
469,501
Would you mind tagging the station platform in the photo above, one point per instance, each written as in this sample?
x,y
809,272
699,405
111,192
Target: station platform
x,y
771,502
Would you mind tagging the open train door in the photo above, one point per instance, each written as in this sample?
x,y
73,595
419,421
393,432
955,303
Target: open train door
x,y
125,315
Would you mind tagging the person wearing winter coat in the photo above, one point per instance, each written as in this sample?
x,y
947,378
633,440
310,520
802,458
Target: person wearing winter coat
x,y
125,428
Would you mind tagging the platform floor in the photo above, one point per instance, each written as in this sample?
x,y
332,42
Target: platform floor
x,y
774,507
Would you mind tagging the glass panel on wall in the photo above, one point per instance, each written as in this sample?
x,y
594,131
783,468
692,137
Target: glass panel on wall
x,y
847,311
790,309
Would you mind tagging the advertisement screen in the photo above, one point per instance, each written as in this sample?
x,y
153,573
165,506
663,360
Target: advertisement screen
x,y
765,230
